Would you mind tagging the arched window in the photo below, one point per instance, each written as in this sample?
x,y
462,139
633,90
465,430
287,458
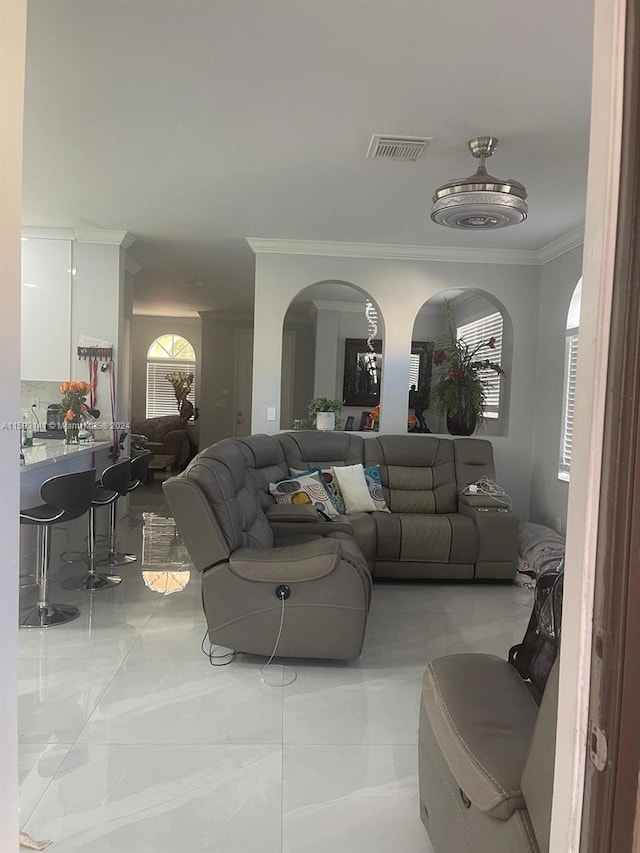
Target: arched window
x,y
167,354
570,367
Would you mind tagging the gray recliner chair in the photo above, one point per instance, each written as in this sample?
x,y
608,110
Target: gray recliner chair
x,y
486,757
218,503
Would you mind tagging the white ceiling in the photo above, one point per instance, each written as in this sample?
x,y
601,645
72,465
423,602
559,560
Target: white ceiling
x,y
194,124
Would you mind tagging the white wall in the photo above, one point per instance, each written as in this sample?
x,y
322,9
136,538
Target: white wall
x,y
144,331
400,288
12,49
217,384
549,495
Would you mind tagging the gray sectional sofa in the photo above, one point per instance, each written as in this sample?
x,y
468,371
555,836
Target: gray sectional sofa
x,y
248,547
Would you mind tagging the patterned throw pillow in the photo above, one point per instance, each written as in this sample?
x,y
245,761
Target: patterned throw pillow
x,y
304,490
374,484
330,484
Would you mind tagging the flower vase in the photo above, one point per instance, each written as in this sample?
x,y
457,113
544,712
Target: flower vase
x,y
462,422
325,421
72,432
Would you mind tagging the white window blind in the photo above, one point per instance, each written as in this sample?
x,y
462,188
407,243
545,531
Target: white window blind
x,y
414,370
571,364
161,399
478,332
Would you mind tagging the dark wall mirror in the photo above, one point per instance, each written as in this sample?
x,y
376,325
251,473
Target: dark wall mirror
x,y
363,371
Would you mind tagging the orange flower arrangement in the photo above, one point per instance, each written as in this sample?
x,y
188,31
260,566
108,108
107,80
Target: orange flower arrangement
x,y
74,398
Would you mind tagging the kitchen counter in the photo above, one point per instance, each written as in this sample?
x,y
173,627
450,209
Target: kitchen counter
x,y
49,457
49,451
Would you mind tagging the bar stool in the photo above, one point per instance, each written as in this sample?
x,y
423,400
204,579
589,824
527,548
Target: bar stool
x,y
65,497
139,468
116,477
91,580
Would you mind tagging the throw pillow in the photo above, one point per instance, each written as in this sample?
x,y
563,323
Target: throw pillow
x,y
330,484
374,484
354,489
304,490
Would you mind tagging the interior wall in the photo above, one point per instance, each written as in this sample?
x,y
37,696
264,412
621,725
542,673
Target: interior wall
x,y
144,331
304,363
280,277
217,384
549,495
13,20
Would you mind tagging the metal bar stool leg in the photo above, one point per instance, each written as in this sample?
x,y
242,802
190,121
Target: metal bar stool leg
x,y
114,558
45,614
92,580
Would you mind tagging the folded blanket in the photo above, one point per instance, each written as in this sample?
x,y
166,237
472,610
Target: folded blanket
x,y
540,547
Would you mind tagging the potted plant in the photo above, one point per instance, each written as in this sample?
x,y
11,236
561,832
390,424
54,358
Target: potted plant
x,y
459,392
324,412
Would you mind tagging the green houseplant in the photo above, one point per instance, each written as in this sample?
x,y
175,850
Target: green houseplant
x,y
459,392
323,412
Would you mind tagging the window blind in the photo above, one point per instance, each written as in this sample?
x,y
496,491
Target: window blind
x,y
161,399
414,370
478,332
569,402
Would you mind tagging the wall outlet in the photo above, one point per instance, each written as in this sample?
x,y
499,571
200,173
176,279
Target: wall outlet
x,y
558,524
35,403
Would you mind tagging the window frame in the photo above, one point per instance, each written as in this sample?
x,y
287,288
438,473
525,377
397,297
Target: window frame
x,y
162,402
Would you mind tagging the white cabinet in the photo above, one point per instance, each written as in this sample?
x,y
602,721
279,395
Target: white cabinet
x,y
46,310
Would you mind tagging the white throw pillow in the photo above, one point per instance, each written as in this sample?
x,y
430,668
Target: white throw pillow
x,y
354,489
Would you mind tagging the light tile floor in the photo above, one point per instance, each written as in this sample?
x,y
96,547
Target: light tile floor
x,y
130,741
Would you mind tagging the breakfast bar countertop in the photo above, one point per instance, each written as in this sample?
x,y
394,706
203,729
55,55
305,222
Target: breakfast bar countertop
x,y
49,451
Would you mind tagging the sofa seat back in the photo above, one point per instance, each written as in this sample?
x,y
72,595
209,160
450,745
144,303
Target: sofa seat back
x,y
417,472
217,504
265,457
306,449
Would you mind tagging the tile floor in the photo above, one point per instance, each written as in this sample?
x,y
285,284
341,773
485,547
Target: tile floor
x,y
130,741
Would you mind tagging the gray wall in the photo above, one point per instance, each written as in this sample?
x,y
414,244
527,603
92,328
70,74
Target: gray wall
x,y
558,279
144,331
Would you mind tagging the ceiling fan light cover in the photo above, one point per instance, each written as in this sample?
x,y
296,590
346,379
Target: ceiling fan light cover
x,y
480,202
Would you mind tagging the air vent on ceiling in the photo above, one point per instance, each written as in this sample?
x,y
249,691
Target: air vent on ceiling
x,y
383,146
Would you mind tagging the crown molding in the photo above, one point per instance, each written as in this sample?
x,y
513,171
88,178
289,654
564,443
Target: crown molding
x,y
32,232
395,251
82,235
101,235
391,251
565,243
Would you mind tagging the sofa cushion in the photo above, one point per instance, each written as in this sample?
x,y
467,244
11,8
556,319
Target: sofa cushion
x,y
426,538
353,488
483,717
304,490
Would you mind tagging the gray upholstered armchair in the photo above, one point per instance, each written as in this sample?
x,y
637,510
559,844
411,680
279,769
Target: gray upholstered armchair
x,y
218,503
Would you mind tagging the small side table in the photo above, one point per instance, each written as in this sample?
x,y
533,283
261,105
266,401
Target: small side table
x,y
159,462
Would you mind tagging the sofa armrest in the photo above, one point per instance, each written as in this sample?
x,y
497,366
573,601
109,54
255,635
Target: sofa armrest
x,y
497,529
483,501
483,718
299,514
291,563
289,520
